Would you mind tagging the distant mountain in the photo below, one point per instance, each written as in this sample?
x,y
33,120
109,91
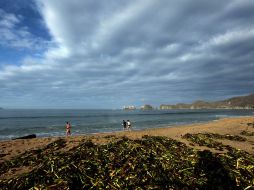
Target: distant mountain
x,y
241,102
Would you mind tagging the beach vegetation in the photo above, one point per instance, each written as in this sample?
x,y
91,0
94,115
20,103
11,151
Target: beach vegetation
x,y
152,162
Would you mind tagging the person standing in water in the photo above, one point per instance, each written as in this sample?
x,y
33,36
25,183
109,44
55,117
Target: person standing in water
x,y
129,125
68,128
124,125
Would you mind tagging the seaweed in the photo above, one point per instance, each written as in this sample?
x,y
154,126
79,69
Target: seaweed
x,y
250,124
208,139
227,136
204,140
238,163
32,157
147,163
246,133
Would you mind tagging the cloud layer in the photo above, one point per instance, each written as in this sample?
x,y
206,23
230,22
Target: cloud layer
x,y
106,54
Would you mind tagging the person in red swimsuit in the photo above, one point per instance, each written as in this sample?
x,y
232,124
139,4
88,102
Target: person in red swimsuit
x,y
68,128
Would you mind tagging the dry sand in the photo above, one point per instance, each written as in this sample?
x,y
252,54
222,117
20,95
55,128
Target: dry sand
x,y
232,126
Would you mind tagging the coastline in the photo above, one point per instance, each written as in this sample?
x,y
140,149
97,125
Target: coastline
x,y
226,144
231,126
50,123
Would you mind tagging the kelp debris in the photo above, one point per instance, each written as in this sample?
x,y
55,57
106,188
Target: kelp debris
x,y
147,163
202,140
32,157
227,136
250,124
247,133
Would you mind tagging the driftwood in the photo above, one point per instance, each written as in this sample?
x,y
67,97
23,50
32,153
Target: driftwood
x,y
26,137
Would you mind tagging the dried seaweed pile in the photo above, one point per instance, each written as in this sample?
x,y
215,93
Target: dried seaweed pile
x,y
250,124
149,163
219,136
207,139
240,164
247,133
33,157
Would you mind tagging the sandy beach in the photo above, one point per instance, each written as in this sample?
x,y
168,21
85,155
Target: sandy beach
x,y
22,159
231,126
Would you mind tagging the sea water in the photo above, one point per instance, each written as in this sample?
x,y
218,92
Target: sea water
x,y
51,122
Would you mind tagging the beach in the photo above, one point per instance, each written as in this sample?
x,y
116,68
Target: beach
x,y
226,127
231,126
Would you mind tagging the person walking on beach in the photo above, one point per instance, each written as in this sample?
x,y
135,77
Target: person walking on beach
x,y
129,125
68,128
124,125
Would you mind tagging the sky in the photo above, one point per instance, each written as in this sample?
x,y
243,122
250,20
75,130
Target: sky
x,y
108,54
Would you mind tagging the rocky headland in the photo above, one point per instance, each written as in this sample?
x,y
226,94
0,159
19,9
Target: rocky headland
x,y
241,102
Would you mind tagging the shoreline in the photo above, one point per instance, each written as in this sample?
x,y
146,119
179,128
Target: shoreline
x,y
54,126
135,129
167,127
24,157
231,125
119,131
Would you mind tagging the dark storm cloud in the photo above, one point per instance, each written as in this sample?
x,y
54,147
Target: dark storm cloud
x,y
113,53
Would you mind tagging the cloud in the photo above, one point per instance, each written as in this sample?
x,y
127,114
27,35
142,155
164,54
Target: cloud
x,y
114,53
14,35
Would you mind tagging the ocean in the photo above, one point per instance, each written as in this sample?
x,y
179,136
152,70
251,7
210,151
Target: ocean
x,y
51,122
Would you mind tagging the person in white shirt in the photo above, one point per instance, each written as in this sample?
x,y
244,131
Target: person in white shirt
x,y
128,125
